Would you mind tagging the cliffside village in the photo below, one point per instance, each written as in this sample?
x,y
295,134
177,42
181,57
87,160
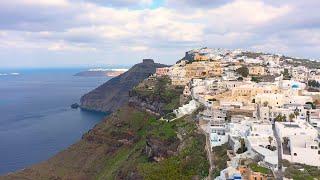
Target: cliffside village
x,y
265,107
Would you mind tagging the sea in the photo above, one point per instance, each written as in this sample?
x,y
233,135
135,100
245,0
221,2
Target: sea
x,y
36,120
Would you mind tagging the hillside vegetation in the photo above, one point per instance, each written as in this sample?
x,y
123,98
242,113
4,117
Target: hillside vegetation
x,y
130,144
157,95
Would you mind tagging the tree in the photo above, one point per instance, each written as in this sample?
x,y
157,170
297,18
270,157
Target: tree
x,y
296,113
313,83
270,139
286,74
255,79
280,118
240,78
243,71
291,117
313,106
265,104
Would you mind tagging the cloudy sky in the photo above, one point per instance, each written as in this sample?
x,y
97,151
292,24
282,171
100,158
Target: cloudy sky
x,y
55,33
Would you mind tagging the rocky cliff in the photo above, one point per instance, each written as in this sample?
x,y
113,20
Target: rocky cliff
x,y
115,93
129,144
156,96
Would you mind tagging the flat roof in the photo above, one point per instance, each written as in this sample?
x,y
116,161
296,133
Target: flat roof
x,y
291,125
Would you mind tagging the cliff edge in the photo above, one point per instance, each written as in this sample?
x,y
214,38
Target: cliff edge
x,y
113,94
131,143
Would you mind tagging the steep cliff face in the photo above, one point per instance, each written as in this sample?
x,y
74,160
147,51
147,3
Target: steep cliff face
x,y
115,93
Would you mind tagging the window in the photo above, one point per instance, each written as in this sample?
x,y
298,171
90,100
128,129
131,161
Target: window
x,y
319,152
295,154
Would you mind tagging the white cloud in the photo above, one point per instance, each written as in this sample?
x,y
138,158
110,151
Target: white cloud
x,y
249,12
138,48
57,3
62,46
123,3
74,26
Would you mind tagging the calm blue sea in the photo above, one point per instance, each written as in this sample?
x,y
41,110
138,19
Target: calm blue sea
x,y
36,120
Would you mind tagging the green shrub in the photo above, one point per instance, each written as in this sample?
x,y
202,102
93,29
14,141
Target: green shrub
x,y
256,168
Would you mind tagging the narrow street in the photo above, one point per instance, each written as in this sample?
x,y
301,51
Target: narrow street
x,y
279,174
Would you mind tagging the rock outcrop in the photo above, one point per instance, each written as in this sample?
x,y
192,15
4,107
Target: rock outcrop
x,y
156,96
157,149
115,93
148,105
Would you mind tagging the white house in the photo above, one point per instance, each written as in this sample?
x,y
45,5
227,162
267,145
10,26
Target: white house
x,y
300,142
286,129
303,149
262,142
218,134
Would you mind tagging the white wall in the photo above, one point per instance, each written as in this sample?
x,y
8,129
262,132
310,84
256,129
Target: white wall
x,y
301,151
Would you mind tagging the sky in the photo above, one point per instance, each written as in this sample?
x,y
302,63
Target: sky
x,y
74,33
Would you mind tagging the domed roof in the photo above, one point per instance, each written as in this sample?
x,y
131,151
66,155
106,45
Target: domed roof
x,y
295,86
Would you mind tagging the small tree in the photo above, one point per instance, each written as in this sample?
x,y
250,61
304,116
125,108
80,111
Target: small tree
x,y
270,139
255,79
291,117
278,118
296,113
286,74
313,83
240,78
265,104
313,106
284,117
